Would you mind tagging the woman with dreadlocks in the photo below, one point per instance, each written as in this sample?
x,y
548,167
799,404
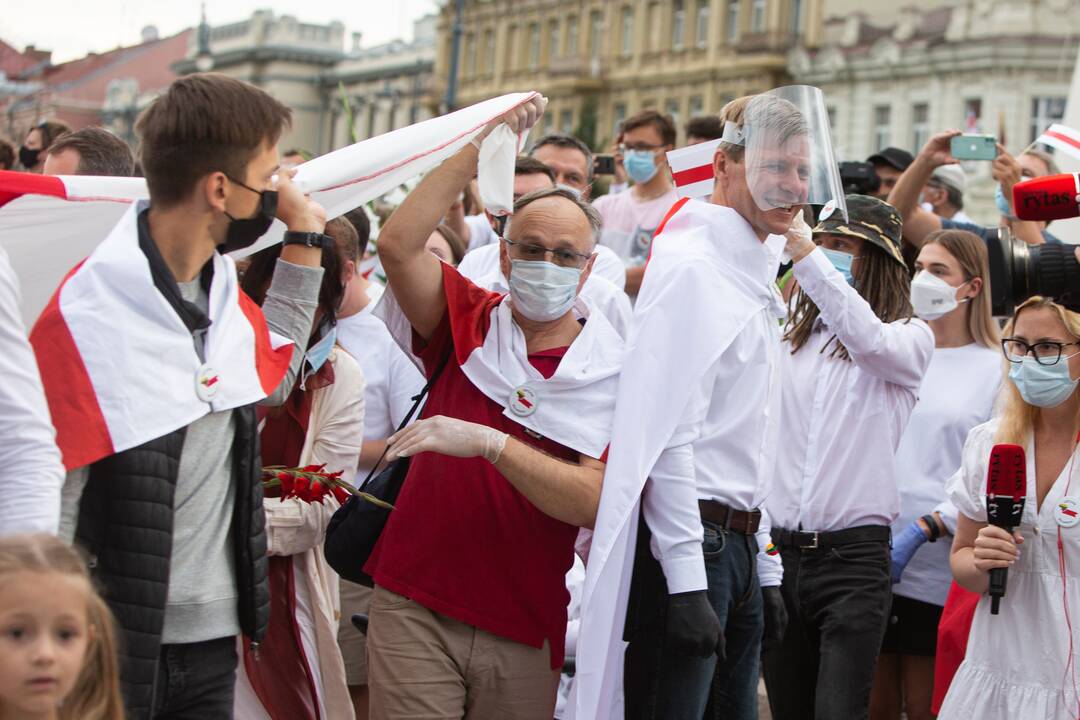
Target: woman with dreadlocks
x,y
854,360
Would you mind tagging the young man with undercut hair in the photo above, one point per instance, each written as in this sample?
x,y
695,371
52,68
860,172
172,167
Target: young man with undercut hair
x,y
90,151
153,362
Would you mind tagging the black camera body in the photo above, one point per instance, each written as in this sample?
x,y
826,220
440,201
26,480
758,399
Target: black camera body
x,y
859,178
1019,271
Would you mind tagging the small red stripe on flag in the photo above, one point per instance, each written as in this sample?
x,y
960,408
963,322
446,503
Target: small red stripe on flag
x,y
16,184
693,175
1063,138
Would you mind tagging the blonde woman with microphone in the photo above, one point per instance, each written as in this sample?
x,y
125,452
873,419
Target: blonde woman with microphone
x,y
1021,663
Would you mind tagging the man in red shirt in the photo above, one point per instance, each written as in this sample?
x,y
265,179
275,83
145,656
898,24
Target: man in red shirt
x,y
468,614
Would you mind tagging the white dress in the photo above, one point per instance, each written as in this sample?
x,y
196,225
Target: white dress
x,y
1015,668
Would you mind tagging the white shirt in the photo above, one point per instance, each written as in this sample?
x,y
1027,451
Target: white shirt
x,y
480,231
30,488
1015,662
956,395
841,421
482,267
391,378
725,447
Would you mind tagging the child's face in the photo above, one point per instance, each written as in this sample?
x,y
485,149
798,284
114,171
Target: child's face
x,y
44,634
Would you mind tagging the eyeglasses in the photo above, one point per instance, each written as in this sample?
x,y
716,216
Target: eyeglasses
x,y
561,257
1045,353
638,147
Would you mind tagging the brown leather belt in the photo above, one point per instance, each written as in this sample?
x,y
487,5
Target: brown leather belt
x,y
744,522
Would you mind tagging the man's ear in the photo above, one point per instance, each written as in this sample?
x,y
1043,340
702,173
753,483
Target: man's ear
x,y
213,190
491,220
504,259
585,273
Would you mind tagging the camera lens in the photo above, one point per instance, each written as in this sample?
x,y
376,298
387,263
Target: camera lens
x,y
1019,271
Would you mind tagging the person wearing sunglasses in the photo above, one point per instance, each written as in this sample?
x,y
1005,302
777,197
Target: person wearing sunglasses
x,y
1021,662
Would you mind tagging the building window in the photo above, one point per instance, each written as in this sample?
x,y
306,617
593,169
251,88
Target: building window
x,y
566,122
697,106
796,17
511,48
470,55
757,16
596,34
733,20
534,46
627,31
701,27
572,36
553,40
882,133
671,107
618,114
920,125
1045,111
972,115
489,51
678,23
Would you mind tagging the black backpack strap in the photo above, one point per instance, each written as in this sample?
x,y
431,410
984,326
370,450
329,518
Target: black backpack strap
x,y
417,400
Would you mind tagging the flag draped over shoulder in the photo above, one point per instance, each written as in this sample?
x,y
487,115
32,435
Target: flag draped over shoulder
x,y
693,303
48,224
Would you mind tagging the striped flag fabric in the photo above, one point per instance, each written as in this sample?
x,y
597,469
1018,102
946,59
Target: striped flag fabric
x,y
691,169
1063,138
48,224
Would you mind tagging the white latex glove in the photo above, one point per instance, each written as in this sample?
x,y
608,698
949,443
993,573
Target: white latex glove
x,y
448,436
800,239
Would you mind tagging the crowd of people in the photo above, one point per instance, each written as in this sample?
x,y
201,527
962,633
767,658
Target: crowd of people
x,y
668,448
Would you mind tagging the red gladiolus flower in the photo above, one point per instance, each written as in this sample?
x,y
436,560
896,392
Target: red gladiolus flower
x,y
341,495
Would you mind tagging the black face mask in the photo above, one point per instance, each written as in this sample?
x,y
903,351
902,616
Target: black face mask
x,y
243,232
28,157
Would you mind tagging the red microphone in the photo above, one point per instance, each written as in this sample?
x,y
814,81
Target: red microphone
x,y
1006,489
1052,197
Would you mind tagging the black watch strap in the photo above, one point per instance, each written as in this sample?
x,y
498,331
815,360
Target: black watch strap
x,y
307,239
935,531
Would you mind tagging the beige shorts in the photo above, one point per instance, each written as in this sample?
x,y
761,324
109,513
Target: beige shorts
x,y
354,599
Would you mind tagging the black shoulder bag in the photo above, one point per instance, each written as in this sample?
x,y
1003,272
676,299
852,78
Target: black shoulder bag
x,y
356,526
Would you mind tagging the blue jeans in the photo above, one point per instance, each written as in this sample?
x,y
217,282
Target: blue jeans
x,y
660,683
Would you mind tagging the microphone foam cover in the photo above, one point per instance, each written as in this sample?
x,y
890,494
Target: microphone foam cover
x,y
1052,197
1007,472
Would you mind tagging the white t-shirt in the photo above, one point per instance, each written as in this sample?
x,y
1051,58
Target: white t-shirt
x,y
392,379
480,231
957,394
628,224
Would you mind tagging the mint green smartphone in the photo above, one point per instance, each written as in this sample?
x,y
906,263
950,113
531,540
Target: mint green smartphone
x,y
974,147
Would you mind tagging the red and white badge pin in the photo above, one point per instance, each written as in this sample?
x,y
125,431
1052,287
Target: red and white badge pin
x,y
523,401
207,382
1067,511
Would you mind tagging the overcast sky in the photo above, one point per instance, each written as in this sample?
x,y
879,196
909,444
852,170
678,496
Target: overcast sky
x,y
72,28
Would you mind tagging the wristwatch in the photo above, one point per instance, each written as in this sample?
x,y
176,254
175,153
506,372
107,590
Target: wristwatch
x,y
935,531
308,239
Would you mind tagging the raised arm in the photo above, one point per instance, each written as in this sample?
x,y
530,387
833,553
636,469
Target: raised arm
x,y
905,194
412,271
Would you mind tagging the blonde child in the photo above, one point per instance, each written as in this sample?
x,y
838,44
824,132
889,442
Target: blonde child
x,y
57,646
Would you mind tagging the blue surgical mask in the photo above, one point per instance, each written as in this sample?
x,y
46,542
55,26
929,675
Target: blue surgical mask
x,y
317,354
1002,203
842,262
1044,386
543,291
640,165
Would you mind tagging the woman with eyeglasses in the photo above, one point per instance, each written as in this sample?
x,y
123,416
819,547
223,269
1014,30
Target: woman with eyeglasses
x,y
1022,662
951,293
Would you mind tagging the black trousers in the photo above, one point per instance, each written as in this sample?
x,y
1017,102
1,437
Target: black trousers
x,y
196,681
838,603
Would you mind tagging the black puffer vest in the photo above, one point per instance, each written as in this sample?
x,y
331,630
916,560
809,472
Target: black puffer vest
x,y
126,525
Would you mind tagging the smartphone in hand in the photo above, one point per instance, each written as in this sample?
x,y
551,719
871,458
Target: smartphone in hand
x,y
604,164
974,147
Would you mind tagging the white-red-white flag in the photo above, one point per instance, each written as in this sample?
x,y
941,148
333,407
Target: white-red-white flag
x,y
691,169
1061,138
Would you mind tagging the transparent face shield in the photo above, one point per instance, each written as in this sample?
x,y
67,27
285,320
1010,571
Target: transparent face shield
x,y
787,151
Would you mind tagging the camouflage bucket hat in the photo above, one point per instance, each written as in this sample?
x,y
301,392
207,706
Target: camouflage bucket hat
x,y
870,219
